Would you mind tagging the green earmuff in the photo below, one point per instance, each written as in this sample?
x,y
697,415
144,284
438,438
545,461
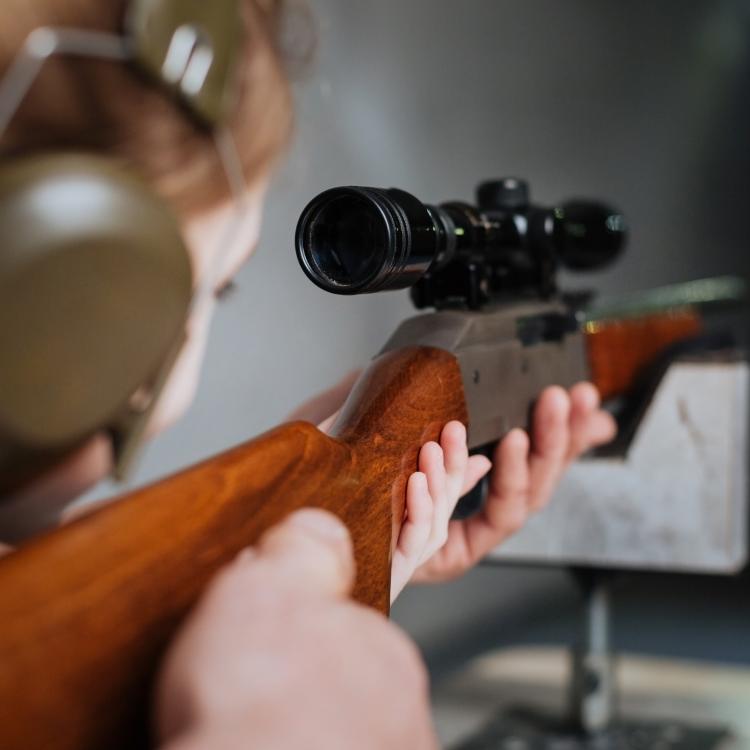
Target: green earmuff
x,y
95,279
95,283
191,48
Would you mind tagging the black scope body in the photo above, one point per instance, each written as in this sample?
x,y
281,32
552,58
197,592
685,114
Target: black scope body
x,y
354,240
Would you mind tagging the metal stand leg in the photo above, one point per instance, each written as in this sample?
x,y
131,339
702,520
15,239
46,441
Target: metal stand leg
x,y
593,669
591,723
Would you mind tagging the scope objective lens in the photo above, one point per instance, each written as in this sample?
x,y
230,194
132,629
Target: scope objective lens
x,y
352,240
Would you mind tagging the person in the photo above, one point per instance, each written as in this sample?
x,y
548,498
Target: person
x,y
275,629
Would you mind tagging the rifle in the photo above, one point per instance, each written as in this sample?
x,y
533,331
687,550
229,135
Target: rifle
x,y
87,609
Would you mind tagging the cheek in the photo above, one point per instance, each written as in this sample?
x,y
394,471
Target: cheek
x,y
215,258
240,246
182,384
221,241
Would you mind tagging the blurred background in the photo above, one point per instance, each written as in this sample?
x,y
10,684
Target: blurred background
x,y
643,104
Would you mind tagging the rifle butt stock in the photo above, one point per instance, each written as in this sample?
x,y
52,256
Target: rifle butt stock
x,y
88,609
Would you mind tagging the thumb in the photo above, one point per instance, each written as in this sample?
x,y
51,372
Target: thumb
x,y
310,551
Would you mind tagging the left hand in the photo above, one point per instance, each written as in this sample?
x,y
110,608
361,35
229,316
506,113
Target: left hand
x,y
431,547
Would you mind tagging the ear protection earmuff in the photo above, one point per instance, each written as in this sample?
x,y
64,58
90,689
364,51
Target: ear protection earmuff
x,y
95,280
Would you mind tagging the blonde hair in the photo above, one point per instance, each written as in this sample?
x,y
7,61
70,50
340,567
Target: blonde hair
x,y
109,108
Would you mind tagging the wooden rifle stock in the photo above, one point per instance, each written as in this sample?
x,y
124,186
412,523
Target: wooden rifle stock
x,y
86,610
619,350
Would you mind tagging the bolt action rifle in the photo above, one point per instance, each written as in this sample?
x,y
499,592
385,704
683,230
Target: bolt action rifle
x,y
87,609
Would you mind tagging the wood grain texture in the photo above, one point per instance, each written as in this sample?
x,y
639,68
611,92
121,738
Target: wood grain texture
x,y
87,610
619,350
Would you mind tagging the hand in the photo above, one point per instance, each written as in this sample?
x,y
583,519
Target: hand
x,y
446,473
526,472
275,656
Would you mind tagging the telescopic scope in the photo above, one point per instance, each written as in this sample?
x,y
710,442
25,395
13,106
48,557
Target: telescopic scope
x,y
353,240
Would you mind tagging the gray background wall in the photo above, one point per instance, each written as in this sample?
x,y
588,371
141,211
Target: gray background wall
x,y
642,103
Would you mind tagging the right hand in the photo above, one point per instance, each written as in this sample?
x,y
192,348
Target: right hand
x,y
276,656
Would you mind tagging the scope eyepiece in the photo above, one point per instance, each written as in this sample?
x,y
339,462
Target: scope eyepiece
x,y
589,234
352,240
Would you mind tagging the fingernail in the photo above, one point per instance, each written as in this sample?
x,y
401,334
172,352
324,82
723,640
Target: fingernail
x,y
319,522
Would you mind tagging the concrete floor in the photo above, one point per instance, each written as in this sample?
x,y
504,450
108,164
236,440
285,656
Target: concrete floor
x,y
697,693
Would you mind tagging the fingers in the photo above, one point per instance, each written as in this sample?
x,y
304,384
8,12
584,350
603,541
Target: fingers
x,y
589,425
431,496
602,429
550,441
432,465
526,471
311,551
453,443
564,425
456,458
415,531
505,511
506,507
414,535
476,467
584,401
445,468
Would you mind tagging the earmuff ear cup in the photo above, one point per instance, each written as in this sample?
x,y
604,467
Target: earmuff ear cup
x,y
190,47
95,288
